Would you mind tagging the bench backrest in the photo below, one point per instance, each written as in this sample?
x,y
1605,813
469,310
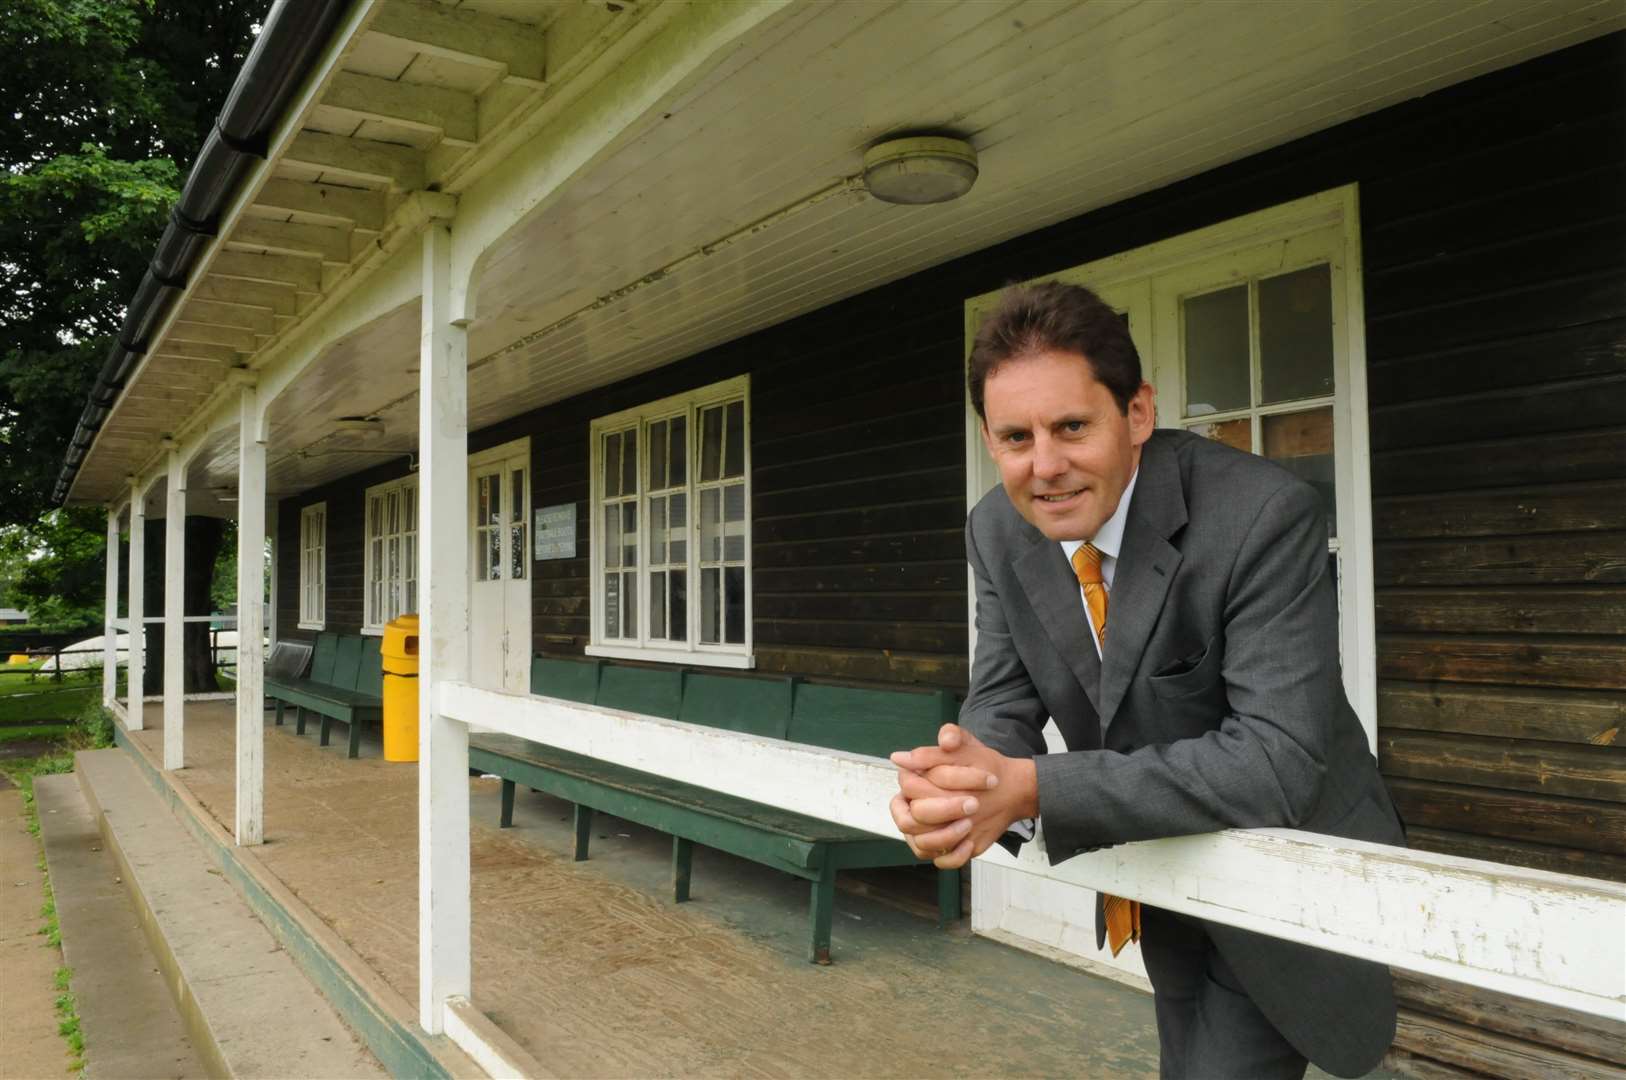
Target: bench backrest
x,y
370,677
327,649
874,722
288,660
346,662
651,691
562,677
754,706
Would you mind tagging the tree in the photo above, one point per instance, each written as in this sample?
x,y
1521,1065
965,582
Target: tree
x,y
104,104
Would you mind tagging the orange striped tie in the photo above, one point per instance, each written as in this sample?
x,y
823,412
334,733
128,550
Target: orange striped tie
x,y
1122,916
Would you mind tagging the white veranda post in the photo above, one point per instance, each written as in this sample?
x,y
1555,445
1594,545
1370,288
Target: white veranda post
x,y
174,608
110,612
250,821
134,720
443,643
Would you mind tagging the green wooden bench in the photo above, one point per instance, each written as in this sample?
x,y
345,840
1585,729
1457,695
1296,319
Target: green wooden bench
x,y
345,683
865,721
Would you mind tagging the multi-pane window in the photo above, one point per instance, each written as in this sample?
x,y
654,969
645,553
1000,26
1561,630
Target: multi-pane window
x,y
671,540
313,566
392,551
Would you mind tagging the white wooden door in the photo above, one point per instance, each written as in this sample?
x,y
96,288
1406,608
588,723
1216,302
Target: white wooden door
x,y
500,585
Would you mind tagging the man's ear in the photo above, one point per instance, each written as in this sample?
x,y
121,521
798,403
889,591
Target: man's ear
x,y
1142,414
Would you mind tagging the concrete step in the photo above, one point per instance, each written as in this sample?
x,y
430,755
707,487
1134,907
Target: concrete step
x,y
248,1009
129,1021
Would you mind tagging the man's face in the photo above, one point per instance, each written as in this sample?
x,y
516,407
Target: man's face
x,y
1064,449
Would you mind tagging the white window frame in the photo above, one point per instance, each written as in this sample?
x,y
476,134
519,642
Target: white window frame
x,y
313,558
1319,228
691,651
372,623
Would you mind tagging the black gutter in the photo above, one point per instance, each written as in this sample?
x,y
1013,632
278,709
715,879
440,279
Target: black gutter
x,y
292,37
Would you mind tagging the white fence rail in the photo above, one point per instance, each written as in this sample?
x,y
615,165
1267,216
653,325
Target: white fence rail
x,y
1548,937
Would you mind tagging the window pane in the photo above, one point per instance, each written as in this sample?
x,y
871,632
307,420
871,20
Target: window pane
x,y
657,531
482,500
1295,335
734,459
657,455
516,552
612,536
1302,442
734,523
711,443
629,589
734,594
657,604
680,449
1216,330
1237,433
629,534
374,525
612,465
612,605
677,507
678,606
710,535
516,496
392,512
629,462
710,606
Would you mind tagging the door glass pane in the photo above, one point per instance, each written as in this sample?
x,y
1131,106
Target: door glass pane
x,y
516,525
612,465
612,605
629,462
629,589
612,536
1302,442
677,508
657,455
710,533
493,554
680,449
657,604
1216,341
1295,335
711,443
678,606
734,594
734,522
629,534
1237,433
734,459
710,605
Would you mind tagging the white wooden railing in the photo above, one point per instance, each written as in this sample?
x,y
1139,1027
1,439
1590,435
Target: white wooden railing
x,y
1553,938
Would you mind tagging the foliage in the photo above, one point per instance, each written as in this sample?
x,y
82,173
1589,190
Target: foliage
x,y
103,106
57,566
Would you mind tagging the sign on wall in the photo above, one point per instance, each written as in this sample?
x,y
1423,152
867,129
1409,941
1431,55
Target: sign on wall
x,y
555,531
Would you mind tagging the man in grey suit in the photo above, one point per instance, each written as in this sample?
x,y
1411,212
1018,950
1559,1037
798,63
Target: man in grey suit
x,y
1168,601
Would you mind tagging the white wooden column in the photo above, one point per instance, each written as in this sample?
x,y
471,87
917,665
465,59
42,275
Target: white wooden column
x,y
443,644
174,610
110,612
134,720
250,818
273,523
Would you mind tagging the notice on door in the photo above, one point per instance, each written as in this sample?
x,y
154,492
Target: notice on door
x,y
555,532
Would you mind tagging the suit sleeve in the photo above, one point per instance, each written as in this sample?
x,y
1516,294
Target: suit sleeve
x,y
1002,707
1263,763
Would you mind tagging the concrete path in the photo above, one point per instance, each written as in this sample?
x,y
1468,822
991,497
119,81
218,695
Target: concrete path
x,y
249,1010
132,1028
29,1044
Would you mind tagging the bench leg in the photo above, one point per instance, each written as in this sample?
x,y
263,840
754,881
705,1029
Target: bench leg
x,y
682,862
278,706
822,911
948,896
355,737
507,819
299,720
584,830
327,726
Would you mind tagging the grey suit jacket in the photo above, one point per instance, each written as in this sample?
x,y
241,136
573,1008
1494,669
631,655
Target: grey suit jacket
x,y
1216,702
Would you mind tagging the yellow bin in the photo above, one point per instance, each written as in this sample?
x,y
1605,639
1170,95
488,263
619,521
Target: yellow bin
x,y
400,649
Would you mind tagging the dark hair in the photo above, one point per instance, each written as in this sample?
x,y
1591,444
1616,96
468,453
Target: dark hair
x,y
1060,318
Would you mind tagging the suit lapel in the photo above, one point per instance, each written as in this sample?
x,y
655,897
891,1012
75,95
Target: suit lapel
x,y
1146,566
1053,591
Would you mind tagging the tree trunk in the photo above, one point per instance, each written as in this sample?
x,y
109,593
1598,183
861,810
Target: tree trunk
x,y
203,536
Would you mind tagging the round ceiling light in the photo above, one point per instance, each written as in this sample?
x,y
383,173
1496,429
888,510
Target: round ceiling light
x,y
920,169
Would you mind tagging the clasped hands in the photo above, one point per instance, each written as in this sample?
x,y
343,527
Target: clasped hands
x,y
958,797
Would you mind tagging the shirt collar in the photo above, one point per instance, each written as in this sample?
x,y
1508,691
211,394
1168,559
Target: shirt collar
x,y
1109,537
